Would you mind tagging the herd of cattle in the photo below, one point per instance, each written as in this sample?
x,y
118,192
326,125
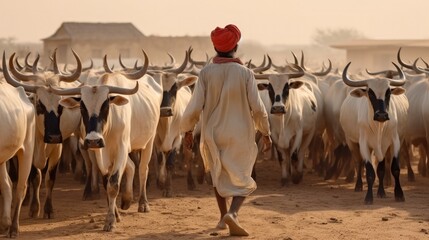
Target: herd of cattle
x,y
114,122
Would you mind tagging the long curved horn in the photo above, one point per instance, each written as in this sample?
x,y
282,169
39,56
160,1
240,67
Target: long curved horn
x,y
182,67
263,63
136,65
54,61
398,82
295,59
249,64
18,65
398,56
123,91
263,68
302,61
326,72
10,79
417,69
122,64
262,76
27,63
65,91
77,72
141,72
297,74
34,68
106,67
427,65
172,61
20,76
352,83
89,67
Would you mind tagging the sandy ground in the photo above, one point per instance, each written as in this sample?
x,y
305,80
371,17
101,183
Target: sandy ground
x,y
314,209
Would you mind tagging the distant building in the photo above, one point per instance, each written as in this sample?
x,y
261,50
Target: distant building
x,y
94,40
378,55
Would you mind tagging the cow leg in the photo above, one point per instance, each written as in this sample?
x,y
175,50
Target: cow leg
x,y
135,158
66,157
380,174
399,194
36,181
6,194
408,155
297,161
25,162
50,177
284,162
127,195
370,177
79,169
359,183
336,158
112,189
170,168
145,157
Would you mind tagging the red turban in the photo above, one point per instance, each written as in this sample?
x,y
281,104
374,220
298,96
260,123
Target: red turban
x,y
225,39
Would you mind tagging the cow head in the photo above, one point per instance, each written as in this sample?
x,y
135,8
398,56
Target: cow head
x,y
378,91
46,103
278,88
171,83
94,102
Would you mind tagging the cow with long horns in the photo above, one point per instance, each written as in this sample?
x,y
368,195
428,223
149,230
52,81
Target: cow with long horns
x,y
370,117
293,113
53,123
16,138
118,117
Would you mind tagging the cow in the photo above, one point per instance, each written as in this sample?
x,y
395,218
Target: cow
x,y
293,112
53,124
17,138
371,117
176,96
112,109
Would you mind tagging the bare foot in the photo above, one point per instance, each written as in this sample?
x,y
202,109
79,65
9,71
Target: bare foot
x,y
234,227
221,225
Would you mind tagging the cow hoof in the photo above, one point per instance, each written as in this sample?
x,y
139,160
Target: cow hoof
x,y
297,178
144,208
34,210
13,232
358,188
381,194
399,196
368,200
49,210
5,224
110,223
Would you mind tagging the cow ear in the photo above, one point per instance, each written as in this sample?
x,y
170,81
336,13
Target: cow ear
x,y
187,81
397,91
118,100
262,86
70,102
359,92
295,84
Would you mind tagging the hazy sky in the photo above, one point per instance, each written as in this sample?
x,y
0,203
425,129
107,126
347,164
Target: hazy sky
x,y
265,21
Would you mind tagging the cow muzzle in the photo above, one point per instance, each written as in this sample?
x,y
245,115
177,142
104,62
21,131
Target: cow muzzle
x,y
166,112
381,116
53,138
278,110
93,143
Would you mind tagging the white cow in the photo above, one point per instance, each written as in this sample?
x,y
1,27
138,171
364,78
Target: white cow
x,y
293,113
176,96
114,125
371,118
53,124
17,138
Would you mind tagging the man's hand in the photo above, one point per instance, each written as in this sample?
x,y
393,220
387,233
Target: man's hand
x,y
189,140
267,143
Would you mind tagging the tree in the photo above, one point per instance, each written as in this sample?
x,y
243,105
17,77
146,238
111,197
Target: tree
x,y
327,37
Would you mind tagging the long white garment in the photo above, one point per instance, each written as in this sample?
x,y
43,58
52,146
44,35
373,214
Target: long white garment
x,y
228,97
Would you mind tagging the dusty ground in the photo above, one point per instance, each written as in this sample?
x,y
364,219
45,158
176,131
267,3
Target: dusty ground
x,y
314,209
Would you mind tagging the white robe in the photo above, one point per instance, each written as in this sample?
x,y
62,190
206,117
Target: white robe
x,y
227,97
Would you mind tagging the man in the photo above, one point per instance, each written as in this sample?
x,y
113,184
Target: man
x,y
227,98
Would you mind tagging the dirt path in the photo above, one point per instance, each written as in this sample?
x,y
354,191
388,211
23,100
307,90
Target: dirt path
x,y
314,209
